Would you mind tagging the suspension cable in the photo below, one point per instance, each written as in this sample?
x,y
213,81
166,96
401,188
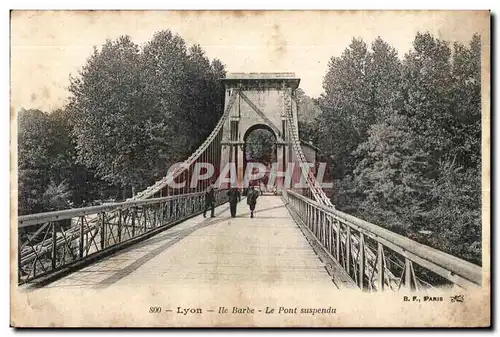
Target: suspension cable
x,y
152,190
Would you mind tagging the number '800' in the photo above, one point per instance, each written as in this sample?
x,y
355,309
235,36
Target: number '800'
x,y
154,310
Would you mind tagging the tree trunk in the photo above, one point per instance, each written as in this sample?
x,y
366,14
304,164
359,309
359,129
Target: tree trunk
x,y
118,192
124,189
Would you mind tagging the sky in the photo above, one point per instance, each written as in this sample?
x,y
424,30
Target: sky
x,y
48,46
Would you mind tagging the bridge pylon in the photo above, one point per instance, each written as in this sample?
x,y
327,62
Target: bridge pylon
x,y
260,102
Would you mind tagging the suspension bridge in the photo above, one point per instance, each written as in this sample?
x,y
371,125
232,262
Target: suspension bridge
x,y
298,237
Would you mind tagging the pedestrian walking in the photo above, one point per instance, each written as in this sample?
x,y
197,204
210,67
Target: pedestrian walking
x,y
234,197
209,201
252,196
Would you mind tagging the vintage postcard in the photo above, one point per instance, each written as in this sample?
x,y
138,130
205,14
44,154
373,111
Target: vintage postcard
x,y
250,169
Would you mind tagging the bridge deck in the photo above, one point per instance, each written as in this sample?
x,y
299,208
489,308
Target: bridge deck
x,y
269,250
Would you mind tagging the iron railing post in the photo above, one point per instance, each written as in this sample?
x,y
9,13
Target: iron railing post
x,y
324,223
54,244
330,235
407,273
361,260
313,222
103,231
337,240
119,234
133,221
82,230
348,250
380,266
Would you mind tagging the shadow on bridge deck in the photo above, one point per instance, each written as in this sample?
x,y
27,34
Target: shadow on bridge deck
x,y
268,250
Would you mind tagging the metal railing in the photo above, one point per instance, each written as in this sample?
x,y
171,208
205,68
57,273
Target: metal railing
x,y
376,258
48,242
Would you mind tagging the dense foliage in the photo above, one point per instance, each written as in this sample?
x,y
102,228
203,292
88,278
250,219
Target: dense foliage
x,y
49,177
132,113
137,111
260,146
404,139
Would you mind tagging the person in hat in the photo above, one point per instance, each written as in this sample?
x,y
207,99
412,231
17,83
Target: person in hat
x,y
252,196
209,201
234,197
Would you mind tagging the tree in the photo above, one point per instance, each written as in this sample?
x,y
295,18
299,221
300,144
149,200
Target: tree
x,y
307,108
358,86
308,111
199,112
455,217
361,87
49,178
183,94
389,178
217,92
34,143
56,197
384,77
418,169
427,95
347,89
80,181
404,139
135,110
466,103
44,161
108,115
163,77
261,146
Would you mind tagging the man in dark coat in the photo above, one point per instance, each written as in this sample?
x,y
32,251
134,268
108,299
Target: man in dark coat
x,y
209,201
252,196
234,197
